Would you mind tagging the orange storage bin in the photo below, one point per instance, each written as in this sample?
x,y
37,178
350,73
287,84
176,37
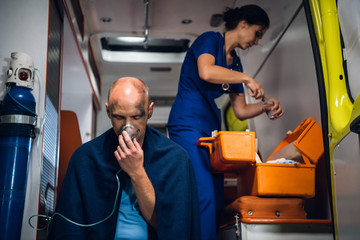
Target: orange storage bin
x,y
278,180
230,151
235,152
267,208
295,180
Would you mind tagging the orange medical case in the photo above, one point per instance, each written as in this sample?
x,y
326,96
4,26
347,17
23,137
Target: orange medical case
x,y
278,180
267,208
230,151
235,152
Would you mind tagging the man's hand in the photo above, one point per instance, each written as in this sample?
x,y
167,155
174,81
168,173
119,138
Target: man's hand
x,y
129,155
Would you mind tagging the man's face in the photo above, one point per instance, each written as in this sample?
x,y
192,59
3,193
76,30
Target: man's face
x,y
132,110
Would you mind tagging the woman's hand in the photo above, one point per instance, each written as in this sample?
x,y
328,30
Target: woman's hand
x,y
276,109
256,90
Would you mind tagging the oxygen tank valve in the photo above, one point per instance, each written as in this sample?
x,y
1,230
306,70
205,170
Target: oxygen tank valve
x,y
21,71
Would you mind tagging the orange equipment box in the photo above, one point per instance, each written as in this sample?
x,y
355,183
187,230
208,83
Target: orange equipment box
x,y
267,208
307,138
230,151
235,152
278,180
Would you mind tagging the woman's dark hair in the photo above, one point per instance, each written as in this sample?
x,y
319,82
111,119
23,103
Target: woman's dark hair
x,y
252,14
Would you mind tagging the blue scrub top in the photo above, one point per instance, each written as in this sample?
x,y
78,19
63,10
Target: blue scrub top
x,y
194,106
130,224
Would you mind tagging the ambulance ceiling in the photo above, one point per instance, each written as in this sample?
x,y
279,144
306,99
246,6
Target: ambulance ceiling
x,y
171,22
165,16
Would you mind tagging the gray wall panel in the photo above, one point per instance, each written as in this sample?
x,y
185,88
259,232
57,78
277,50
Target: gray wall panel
x,y
346,163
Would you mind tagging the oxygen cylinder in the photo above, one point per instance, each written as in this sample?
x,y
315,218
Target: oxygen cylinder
x,y
17,130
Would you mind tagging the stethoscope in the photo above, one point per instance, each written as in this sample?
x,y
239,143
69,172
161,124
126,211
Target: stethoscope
x,y
226,86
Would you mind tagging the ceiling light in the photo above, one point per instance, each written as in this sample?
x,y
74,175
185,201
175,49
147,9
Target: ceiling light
x,y
131,39
186,21
105,19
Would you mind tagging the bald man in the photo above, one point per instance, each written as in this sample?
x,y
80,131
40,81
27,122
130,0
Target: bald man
x,y
156,197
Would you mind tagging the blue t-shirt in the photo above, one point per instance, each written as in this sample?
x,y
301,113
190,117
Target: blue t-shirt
x,y
194,106
130,224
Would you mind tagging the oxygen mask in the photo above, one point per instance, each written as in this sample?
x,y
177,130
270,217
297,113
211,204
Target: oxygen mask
x,y
131,130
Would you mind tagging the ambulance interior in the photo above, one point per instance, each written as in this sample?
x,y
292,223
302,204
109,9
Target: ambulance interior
x,y
96,42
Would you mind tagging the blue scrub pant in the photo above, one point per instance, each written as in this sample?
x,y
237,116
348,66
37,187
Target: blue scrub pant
x,y
210,186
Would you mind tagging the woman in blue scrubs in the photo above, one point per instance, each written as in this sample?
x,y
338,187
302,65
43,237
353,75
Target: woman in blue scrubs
x,y
210,69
